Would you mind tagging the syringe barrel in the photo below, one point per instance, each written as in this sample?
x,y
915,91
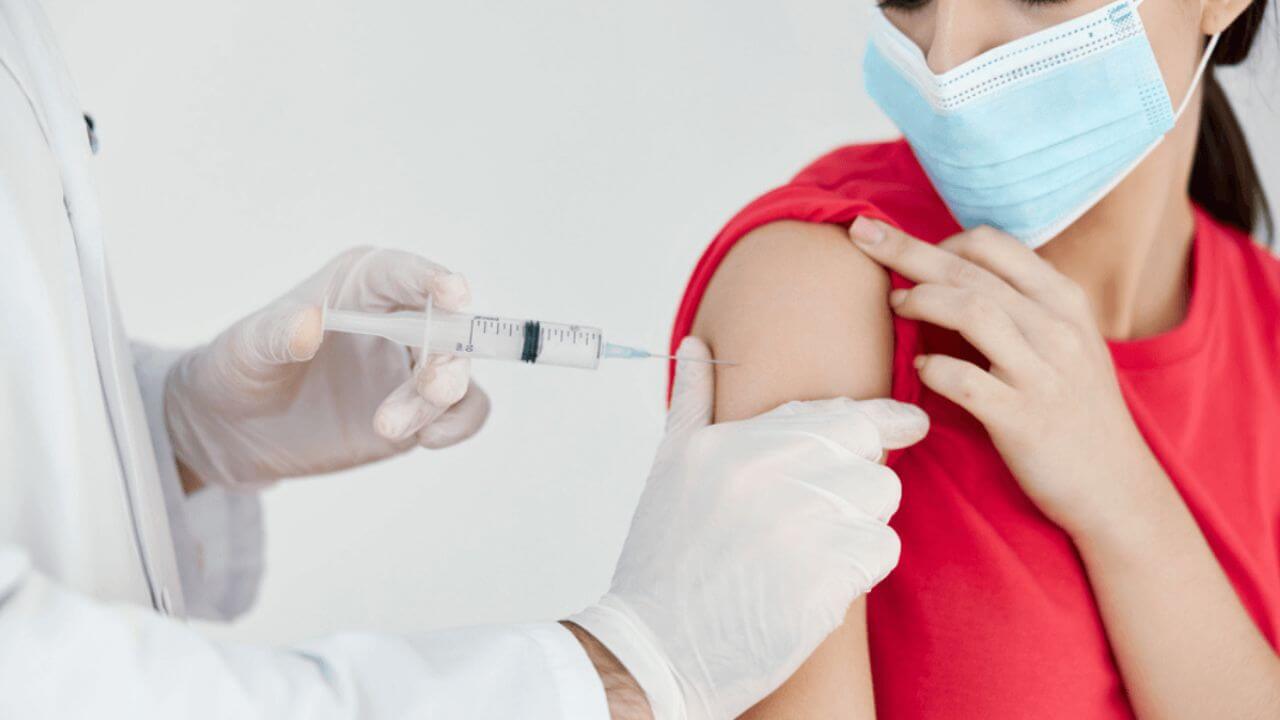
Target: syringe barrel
x,y
479,336
567,345
531,341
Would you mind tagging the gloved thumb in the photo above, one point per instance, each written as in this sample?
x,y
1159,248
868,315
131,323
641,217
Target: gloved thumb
x,y
899,424
262,350
283,334
693,393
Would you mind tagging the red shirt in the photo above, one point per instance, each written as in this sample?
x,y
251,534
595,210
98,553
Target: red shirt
x,y
989,613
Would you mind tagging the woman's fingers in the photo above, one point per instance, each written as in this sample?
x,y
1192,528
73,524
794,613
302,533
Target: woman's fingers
x,y
924,263
1020,267
1044,304
979,319
981,258
979,392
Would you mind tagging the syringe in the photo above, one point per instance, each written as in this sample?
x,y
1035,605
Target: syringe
x,y
488,336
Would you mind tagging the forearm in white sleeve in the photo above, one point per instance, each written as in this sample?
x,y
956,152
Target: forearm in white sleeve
x,y
65,656
217,535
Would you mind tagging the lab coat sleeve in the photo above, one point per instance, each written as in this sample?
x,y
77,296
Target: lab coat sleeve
x,y
217,535
63,655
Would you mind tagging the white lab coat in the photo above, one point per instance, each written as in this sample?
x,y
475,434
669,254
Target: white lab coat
x,y
97,540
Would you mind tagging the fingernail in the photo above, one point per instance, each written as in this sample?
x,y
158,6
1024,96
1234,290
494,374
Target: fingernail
x,y
866,231
897,297
918,362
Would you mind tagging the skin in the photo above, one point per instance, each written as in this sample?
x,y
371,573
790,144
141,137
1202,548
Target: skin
x,y
1185,646
622,693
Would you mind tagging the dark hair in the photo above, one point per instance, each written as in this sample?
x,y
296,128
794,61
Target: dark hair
x,y
1224,179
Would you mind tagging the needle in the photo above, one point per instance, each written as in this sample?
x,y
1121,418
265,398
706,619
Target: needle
x,y
708,361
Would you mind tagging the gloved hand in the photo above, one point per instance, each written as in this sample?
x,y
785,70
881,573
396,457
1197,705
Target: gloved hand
x,y
272,397
751,540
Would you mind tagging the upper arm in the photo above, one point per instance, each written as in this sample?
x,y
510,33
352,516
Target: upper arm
x,y
804,315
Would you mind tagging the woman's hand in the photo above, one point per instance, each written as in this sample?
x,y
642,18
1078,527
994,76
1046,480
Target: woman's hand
x,y
1050,400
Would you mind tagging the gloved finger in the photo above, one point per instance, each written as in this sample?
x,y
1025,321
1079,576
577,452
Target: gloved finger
x,y
388,279
864,427
438,382
899,424
404,412
443,379
809,409
458,422
693,393
873,550
873,490
839,422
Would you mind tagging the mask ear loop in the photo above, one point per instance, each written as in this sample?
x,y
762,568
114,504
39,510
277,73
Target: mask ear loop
x,y
1195,79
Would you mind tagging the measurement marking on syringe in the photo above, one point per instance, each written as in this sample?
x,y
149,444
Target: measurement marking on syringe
x,y
573,335
480,322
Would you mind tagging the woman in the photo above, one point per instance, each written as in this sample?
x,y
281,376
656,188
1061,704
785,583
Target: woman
x,y
1092,527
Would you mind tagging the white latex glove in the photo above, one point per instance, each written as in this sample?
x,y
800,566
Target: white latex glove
x,y
273,397
751,540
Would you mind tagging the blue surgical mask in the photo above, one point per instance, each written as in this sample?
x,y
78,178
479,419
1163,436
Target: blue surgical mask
x,y
1028,136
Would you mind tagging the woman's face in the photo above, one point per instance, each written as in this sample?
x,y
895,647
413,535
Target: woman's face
x,y
950,32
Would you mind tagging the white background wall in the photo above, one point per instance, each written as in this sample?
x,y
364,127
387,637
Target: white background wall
x,y
571,157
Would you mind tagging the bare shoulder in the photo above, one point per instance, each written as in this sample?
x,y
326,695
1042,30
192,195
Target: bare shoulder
x,y
803,313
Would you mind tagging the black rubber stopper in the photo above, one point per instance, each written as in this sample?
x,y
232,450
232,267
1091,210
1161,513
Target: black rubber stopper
x,y
532,333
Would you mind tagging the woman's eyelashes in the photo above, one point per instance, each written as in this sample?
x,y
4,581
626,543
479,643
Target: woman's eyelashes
x,y
904,5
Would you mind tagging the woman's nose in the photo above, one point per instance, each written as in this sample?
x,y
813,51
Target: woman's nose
x,y
962,30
